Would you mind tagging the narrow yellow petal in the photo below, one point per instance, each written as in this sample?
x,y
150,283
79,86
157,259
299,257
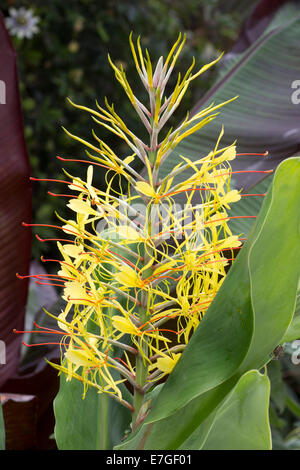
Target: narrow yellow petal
x,y
146,189
125,325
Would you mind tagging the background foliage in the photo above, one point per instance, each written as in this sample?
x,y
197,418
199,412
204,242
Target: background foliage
x,y
68,57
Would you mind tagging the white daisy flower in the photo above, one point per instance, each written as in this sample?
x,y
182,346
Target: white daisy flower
x,y
22,23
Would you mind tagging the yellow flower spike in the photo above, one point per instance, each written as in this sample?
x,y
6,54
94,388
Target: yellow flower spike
x,y
127,271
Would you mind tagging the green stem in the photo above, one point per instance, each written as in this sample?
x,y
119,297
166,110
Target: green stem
x,y
104,419
139,394
144,315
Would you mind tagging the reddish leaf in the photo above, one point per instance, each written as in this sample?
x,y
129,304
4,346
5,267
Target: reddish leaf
x,y
256,24
15,207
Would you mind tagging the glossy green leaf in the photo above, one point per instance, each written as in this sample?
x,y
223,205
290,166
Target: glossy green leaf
x,y
200,409
293,331
97,422
222,340
274,265
242,421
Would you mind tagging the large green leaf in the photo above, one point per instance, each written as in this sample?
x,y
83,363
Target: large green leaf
x,y
264,116
223,337
242,421
240,314
199,410
277,248
97,422
293,331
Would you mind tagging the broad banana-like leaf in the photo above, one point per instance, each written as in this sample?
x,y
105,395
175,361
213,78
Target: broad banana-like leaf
x,y
265,114
243,325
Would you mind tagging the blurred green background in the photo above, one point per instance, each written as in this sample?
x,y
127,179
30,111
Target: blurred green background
x,y
67,57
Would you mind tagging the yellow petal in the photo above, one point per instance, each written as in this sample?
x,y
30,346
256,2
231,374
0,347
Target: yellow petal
x,y
232,196
166,364
228,155
128,277
128,233
76,294
124,325
129,159
72,250
79,358
81,207
145,188
230,242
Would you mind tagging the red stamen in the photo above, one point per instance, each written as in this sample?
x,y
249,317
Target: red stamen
x,y
126,260
219,260
58,261
83,300
46,332
49,329
252,171
49,284
163,329
256,154
82,161
56,181
53,239
39,344
62,195
52,226
43,276
123,362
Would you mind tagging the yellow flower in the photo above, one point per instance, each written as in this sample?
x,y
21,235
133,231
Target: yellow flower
x,y
166,364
